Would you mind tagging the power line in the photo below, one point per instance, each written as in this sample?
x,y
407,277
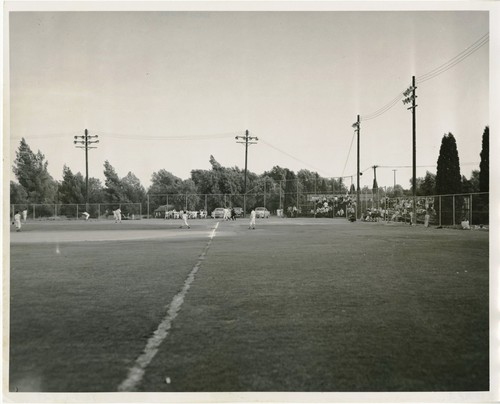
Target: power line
x,y
430,166
166,138
348,154
46,136
431,74
384,109
454,61
288,154
128,136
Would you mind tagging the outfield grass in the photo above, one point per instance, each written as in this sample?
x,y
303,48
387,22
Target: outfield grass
x,y
295,305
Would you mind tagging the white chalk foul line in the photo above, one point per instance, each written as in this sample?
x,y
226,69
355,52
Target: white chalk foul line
x,y
136,373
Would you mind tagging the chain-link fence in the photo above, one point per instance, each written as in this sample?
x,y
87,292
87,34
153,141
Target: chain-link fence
x,y
444,210
40,211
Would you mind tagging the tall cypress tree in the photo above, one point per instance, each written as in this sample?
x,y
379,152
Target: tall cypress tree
x,y
448,179
482,202
484,166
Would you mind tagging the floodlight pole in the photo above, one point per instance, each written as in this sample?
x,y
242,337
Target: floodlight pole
x,y
247,140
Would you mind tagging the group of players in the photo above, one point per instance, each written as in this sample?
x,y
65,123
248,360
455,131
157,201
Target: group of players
x,y
117,215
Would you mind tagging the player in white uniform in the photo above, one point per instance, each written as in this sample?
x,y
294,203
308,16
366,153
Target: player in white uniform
x,y
17,221
86,215
25,215
185,219
118,215
252,219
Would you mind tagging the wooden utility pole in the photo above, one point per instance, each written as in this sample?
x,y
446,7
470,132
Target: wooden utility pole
x,y
247,140
411,97
357,127
84,142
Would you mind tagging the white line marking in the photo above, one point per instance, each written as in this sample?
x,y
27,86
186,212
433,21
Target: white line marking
x,y
136,373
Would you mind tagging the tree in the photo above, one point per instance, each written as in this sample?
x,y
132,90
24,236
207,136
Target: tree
x,y
449,180
287,187
224,185
96,190
31,171
113,187
132,190
484,165
122,190
18,194
72,187
471,185
426,186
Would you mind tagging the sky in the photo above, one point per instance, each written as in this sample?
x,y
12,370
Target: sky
x,y
167,89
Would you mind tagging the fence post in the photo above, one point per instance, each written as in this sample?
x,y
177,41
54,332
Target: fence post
x,y
77,212
453,210
55,211
98,210
148,205
186,204
33,211
206,209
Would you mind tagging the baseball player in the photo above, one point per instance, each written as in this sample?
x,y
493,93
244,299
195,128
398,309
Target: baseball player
x,y
17,221
252,220
185,219
118,215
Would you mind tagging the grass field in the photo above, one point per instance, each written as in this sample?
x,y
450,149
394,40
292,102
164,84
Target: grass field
x,y
297,305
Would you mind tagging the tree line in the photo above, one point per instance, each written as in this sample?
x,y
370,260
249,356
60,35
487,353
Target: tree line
x,y
35,185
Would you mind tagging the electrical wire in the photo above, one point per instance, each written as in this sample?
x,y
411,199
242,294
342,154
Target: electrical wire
x,y
161,137
384,109
348,154
288,154
431,74
430,166
454,61
47,136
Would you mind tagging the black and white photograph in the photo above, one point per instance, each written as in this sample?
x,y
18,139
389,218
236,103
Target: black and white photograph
x,y
249,201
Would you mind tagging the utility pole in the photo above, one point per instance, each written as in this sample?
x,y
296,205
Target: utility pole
x,y
247,140
85,142
357,127
411,98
